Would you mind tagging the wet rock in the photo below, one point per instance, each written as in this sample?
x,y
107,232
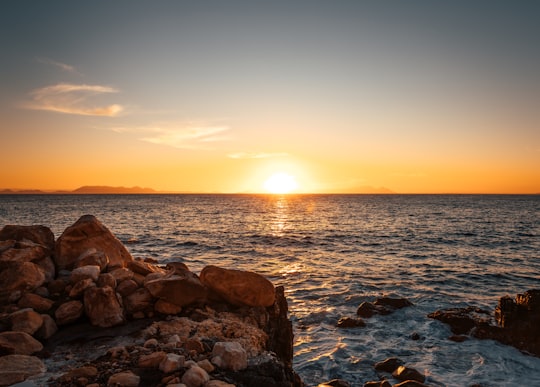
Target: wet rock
x,y
403,373
124,379
394,303
335,383
229,355
458,338
347,322
382,306
180,290
68,312
239,287
38,303
93,257
195,377
87,233
102,307
410,383
462,320
18,343
389,365
26,320
17,368
206,365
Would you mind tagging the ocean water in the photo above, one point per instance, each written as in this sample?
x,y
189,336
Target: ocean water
x,y
332,252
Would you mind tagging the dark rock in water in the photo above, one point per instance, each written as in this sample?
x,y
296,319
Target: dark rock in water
x,y
389,365
403,373
335,383
415,336
458,338
518,321
279,328
382,306
410,383
347,322
381,383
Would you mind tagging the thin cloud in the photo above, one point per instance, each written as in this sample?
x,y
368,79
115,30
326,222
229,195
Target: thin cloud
x,y
255,155
73,99
62,66
192,137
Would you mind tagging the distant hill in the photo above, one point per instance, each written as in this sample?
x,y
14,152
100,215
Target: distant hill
x,y
102,189
87,189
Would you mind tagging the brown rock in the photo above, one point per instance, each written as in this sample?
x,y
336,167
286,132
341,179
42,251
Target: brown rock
x,y
403,373
86,233
68,312
127,287
57,286
106,279
80,287
26,320
93,257
46,264
347,322
389,365
102,307
121,274
380,383
164,307
139,301
38,303
410,383
22,252
83,272
335,383
175,289
38,234
124,379
81,372
395,303
17,368
48,328
239,287
144,268
152,360
24,276
18,343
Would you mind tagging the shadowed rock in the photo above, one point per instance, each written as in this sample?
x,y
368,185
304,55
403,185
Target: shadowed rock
x,y
16,368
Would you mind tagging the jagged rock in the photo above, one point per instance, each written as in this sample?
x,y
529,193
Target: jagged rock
x,y
176,289
86,233
347,322
26,320
229,355
18,343
93,257
38,303
124,379
239,287
17,368
22,252
102,307
279,328
388,365
382,306
403,373
68,312
195,377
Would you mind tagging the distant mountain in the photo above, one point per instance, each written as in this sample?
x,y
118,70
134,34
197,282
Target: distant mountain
x,y
102,189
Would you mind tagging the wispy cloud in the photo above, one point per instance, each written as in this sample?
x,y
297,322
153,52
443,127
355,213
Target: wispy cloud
x,y
177,135
255,155
60,65
72,99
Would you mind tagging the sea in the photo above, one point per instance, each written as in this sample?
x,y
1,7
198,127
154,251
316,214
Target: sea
x,y
331,253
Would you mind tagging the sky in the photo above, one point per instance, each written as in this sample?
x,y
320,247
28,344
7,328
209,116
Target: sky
x,y
218,96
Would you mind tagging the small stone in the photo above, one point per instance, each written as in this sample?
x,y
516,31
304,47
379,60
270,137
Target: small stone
x,y
194,344
206,365
389,365
124,379
171,363
152,360
229,355
347,322
415,336
403,373
164,307
86,372
150,343
78,289
118,353
458,338
36,302
195,377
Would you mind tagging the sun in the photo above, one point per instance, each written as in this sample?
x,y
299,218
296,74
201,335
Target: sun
x,y
280,183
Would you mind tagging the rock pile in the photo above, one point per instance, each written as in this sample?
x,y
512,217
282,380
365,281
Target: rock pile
x,y
224,327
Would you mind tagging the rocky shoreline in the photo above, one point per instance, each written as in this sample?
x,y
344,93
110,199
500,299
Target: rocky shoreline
x,y
81,311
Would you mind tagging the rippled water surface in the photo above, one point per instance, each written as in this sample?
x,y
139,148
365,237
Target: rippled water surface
x,y
331,252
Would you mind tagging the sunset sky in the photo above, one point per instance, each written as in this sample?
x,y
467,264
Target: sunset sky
x,y
217,96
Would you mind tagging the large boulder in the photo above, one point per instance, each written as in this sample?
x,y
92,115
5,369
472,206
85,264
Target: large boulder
x,y
241,288
178,289
88,233
102,307
17,368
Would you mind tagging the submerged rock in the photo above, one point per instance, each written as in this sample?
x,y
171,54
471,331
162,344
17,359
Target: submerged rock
x,y
382,306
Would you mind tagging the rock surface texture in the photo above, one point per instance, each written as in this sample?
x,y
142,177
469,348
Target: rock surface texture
x,y
82,311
